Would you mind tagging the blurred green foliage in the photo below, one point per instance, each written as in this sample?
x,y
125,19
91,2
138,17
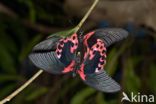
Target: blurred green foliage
x,y
133,60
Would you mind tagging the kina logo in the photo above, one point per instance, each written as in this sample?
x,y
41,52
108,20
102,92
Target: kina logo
x,y
137,98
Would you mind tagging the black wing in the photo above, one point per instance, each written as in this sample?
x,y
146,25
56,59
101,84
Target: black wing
x,y
43,56
92,69
102,82
55,54
109,36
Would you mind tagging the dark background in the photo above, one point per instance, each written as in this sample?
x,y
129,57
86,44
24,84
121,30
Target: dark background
x,y
24,23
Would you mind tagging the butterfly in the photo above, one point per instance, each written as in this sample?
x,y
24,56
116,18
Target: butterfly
x,y
84,55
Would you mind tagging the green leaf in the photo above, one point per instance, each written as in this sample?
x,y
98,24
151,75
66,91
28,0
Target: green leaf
x,y
9,45
80,97
31,7
113,56
32,12
7,90
6,61
112,62
152,82
112,102
37,92
100,98
4,78
68,87
64,33
132,81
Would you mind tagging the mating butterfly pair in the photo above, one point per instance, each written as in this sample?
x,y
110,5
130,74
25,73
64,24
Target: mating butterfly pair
x,y
83,55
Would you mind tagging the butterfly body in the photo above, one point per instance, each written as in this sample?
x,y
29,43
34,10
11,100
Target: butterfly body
x,y
82,55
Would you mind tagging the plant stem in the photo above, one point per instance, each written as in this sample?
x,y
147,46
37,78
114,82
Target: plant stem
x,y
86,15
8,98
16,92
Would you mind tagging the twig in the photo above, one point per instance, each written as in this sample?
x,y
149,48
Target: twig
x,y
40,71
8,98
6,10
86,15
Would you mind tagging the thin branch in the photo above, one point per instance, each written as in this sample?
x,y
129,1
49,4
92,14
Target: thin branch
x,y
8,98
6,10
40,71
86,15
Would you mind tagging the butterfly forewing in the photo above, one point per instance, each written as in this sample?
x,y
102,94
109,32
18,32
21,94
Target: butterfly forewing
x,y
66,52
95,58
109,36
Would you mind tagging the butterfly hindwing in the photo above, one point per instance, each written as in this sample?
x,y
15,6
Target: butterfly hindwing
x,y
95,56
102,82
55,54
43,56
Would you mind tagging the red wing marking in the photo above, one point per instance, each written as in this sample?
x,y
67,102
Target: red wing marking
x,y
69,68
96,54
86,37
59,47
73,39
81,72
99,46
